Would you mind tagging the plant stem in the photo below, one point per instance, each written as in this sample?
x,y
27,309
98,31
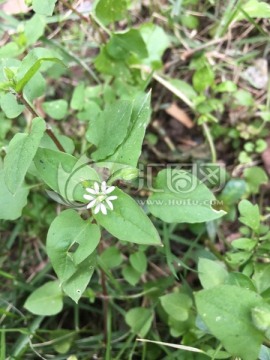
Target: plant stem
x,y
76,317
84,18
105,299
210,142
49,131
70,7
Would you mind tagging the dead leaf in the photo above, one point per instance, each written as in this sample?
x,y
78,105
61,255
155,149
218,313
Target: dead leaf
x,y
257,75
11,7
180,115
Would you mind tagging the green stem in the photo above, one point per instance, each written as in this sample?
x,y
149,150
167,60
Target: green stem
x,y
210,142
109,333
76,317
49,131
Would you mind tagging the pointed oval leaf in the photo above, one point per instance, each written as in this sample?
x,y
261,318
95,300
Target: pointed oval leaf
x,y
128,222
211,273
139,319
109,130
46,300
250,214
130,150
180,197
10,106
20,153
64,173
226,310
11,205
109,11
176,305
44,7
77,283
69,230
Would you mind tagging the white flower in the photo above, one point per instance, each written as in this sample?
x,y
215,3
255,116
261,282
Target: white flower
x,y
99,199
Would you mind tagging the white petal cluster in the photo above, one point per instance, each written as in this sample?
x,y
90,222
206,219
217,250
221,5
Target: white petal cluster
x,y
99,199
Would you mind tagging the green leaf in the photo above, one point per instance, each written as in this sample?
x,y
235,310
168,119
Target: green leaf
x,y
238,258
250,214
47,300
184,87
261,146
244,244
203,78
255,177
109,130
109,11
211,273
241,280
66,142
71,242
11,205
180,197
64,173
128,222
111,257
130,150
33,70
243,97
190,21
226,86
138,261
67,230
157,41
35,87
226,310
5,126
233,191
34,28
77,100
121,45
77,283
90,111
139,319
9,50
104,63
44,7
176,305
254,9
56,109
62,340
10,106
20,153
261,277
131,275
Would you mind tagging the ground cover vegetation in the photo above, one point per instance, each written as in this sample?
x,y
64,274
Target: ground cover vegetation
x,y
134,179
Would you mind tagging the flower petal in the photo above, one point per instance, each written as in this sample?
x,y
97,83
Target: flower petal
x,y
103,187
109,204
91,204
103,209
88,197
110,189
97,208
96,187
91,191
111,198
